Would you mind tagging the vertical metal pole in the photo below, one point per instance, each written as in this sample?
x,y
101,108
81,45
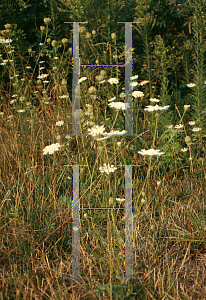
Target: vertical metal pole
x,y
128,223
75,82
128,74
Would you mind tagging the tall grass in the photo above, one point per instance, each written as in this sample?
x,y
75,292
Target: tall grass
x,y
36,187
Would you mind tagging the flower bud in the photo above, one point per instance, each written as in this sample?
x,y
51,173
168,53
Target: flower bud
x,y
22,98
48,40
92,90
54,43
119,144
186,107
88,36
93,32
65,41
97,61
82,29
113,36
47,21
39,81
70,49
64,82
8,26
187,139
42,28
99,78
103,73
122,95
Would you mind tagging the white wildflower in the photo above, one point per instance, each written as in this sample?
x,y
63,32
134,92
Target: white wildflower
x,y
82,79
133,84
191,84
63,96
156,107
134,77
137,94
96,130
170,126
107,168
143,82
184,149
116,132
150,152
154,100
119,105
43,76
112,99
179,126
120,199
191,123
59,123
3,41
113,80
51,148
196,129
21,110
12,101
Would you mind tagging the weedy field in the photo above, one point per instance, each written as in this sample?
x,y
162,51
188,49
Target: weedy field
x,y
169,181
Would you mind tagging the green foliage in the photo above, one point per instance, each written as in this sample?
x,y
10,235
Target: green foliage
x,y
118,291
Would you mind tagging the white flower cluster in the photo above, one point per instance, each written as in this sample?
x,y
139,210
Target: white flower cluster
x,y
137,94
43,76
82,79
59,123
119,105
51,148
150,152
3,41
156,107
116,132
96,130
107,168
113,81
